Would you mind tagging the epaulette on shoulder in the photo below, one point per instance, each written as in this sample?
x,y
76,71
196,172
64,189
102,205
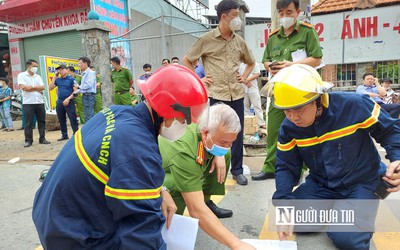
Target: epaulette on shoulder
x,y
274,32
309,25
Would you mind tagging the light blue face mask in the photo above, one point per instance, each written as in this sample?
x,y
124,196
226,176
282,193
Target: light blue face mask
x,y
216,150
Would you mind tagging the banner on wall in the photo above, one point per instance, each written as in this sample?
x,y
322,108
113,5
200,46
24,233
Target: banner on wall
x,y
359,36
115,15
256,37
47,66
48,24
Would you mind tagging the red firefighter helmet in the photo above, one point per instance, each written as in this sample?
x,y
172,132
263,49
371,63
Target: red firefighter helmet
x,y
175,91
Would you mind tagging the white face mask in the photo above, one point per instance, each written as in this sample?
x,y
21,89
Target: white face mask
x,y
173,132
34,70
286,22
235,24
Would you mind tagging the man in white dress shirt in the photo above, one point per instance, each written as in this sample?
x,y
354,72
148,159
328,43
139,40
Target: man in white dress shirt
x,y
32,87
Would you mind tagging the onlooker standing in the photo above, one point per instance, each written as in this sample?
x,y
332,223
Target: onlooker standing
x,y
252,94
175,60
165,62
5,104
377,92
122,83
222,79
78,98
87,87
65,102
98,104
293,42
147,72
32,87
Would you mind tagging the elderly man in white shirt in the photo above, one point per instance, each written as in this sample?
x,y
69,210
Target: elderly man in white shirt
x,y
32,87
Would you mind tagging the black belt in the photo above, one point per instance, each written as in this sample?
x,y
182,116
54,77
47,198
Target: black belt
x,y
88,93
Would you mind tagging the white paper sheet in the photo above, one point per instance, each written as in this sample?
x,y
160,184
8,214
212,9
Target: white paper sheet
x,y
182,233
272,244
300,54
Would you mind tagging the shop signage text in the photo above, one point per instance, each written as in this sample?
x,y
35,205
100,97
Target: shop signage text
x,y
359,36
47,24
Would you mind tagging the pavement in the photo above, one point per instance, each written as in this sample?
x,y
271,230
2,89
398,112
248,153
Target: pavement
x,y
19,182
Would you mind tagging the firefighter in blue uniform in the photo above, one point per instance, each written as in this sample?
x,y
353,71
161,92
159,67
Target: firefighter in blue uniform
x,y
331,133
104,190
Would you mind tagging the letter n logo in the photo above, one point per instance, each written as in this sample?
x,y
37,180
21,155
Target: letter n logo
x,y
284,215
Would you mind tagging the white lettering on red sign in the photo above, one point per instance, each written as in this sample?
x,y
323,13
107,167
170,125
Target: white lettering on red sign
x,y
48,23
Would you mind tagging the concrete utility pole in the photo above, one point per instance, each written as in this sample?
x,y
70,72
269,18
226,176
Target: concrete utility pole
x,y
242,14
96,46
274,15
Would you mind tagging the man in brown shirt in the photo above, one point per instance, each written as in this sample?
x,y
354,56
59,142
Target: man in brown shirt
x,y
222,51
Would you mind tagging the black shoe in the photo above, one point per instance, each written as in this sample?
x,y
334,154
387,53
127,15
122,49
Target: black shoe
x,y
240,179
262,176
63,138
27,144
45,142
219,212
21,128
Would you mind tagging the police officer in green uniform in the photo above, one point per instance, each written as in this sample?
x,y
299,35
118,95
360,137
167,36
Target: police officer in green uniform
x,y
195,168
293,42
122,83
78,99
98,104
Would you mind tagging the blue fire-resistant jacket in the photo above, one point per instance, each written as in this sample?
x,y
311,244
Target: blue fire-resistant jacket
x,y
337,147
103,190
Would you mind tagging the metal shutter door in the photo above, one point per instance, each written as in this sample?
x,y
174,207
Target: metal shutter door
x,y
62,44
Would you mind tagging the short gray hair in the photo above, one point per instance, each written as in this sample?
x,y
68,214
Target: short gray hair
x,y
219,115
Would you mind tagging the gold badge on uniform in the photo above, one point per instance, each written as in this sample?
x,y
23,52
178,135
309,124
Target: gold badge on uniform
x,y
200,153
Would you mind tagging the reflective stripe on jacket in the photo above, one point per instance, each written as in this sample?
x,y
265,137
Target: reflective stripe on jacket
x,y
103,190
337,147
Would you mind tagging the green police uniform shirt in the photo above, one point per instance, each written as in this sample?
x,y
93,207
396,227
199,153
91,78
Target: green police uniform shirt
x,y
182,159
280,47
121,79
78,79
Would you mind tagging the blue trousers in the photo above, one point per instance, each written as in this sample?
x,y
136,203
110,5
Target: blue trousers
x,y
237,146
88,101
62,112
6,116
365,191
